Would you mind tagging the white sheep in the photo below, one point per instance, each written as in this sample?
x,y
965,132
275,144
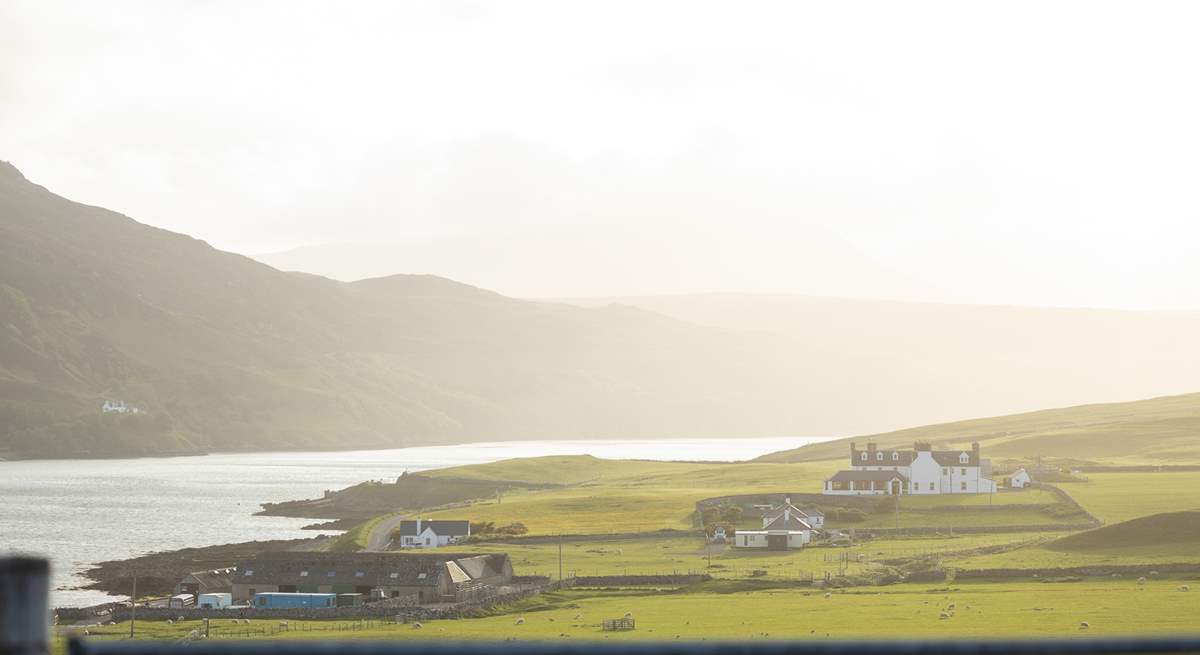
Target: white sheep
x,y
520,621
416,625
629,615
170,622
1184,587
1084,625
828,594
1154,574
1141,581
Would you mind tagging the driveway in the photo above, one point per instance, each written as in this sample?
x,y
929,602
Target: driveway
x,y
381,534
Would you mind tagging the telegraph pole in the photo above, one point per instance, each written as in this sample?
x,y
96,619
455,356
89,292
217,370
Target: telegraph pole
x,y
560,558
133,606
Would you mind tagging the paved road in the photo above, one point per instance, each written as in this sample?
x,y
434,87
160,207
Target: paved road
x,y
381,535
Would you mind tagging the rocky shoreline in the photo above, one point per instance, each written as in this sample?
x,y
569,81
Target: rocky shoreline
x,y
158,573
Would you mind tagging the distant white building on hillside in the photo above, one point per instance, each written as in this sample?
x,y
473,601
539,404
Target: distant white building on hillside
x,y
119,407
921,471
1020,479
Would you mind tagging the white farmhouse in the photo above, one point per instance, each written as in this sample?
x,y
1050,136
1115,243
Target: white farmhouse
x,y
419,533
783,531
920,471
1020,479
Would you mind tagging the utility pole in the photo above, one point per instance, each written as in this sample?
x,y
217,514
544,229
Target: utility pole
x,y
133,606
560,559
897,512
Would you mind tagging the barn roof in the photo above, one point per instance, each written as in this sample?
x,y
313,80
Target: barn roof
x,y
212,580
787,522
359,569
864,476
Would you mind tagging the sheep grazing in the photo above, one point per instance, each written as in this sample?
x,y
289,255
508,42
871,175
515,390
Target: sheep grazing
x,y
828,594
944,615
416,625
520,621
1184,587
1084,625
629,615
1141,580
1154,574
950,606
170,622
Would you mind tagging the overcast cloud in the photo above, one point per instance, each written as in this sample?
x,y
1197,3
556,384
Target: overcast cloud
x,y
1023,153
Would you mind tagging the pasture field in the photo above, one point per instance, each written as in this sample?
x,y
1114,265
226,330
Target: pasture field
x,y
635,496
724,611
1123,496
1036,556
683,554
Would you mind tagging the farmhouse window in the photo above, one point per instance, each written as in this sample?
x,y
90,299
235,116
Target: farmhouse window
x,y
863,457
945,471
964,471
964,486
895,455
931,486
879,455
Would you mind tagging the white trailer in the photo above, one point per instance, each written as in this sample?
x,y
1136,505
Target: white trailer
x,y
181,601
214,601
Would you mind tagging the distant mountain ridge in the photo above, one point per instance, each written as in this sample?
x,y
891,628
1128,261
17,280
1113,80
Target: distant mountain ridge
x,y
225,353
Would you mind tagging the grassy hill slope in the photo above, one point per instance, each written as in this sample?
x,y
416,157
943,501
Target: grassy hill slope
x,y
1153,530
1165,430
227,353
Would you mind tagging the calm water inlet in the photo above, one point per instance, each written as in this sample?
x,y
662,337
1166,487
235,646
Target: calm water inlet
x,y
79,512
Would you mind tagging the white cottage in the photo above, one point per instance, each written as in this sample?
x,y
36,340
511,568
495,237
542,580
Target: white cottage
x,y
921,471
419,533
1020,479
782,532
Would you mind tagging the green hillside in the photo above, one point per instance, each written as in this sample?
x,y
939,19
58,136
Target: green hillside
x,y
223,352
1153,530
1160,430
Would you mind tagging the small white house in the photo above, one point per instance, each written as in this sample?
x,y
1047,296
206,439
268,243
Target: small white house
x,y
118,407
784,532
419,533
1020,479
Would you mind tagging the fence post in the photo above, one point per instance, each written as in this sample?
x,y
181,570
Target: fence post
x,y
24,606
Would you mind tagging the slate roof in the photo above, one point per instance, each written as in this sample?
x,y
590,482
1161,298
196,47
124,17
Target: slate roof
x,y
443,528
950,458
321,568
216,580
777,510
863,476
903,457
789,523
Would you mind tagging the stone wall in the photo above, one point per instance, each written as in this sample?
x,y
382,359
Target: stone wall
x,y
633,580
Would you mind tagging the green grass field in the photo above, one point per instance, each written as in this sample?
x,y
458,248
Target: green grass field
x,y
730,612
683,554
1123,496
636,496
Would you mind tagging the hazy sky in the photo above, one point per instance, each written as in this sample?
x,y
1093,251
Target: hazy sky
x,y
1007,152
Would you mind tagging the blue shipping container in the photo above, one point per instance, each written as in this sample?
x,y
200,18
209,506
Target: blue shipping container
x,y
274,599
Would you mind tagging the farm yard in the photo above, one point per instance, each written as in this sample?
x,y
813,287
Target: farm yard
x,y
721,611
986,563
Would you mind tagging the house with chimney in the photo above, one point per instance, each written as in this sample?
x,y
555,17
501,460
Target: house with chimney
x,y
784,527
418,533
919,471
